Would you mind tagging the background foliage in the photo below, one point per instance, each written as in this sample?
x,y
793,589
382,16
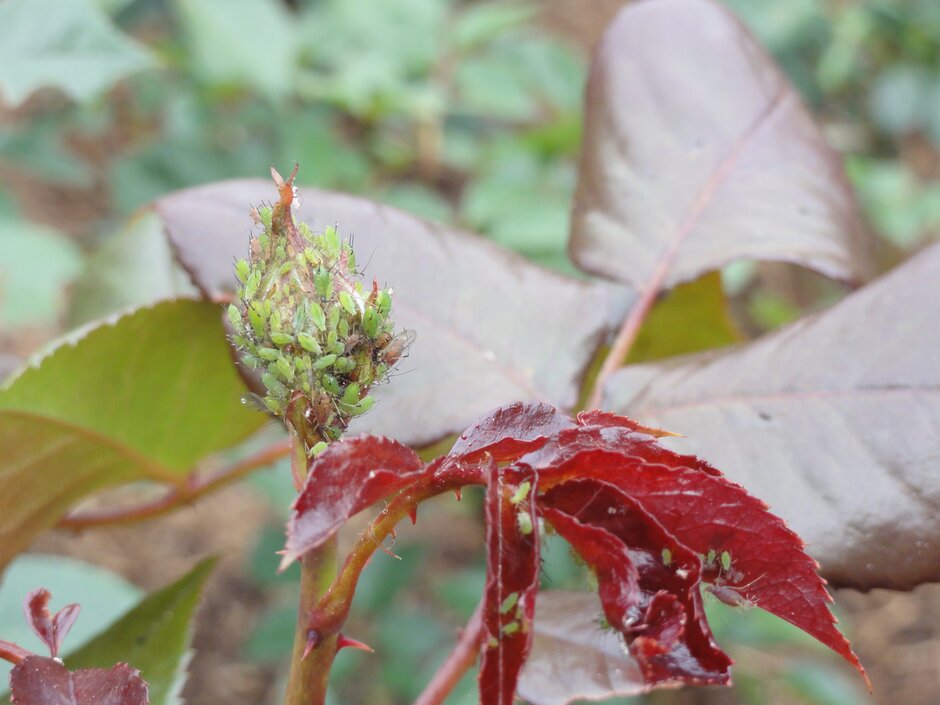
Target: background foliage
x,y
465,112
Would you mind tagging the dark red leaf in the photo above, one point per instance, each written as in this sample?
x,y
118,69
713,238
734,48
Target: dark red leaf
x,y
833,420
660,614
745,549
52,630
344,479
14,653
510,431
698,151
606,419
618,582
46,681
512,581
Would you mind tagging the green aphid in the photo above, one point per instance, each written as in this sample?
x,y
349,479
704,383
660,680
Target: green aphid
x,y
522,493
300,317
273,384
710,558
251,361
324,362
309,343
331,339
234,316
725,561
370,322
251,286
285,368
524,522
275,406
343,328
509,603
347,303
383,302
351,394
311,256
269,354
242,269
365,373
333,319
667,556
240,342
318,448
331,242
316,315
264,213
510,628
275,320
257,320
279,338
365,404
330,384
344,365
351,259
323,283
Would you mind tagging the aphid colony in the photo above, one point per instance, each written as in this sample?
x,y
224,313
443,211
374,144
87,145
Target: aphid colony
x,y
304,321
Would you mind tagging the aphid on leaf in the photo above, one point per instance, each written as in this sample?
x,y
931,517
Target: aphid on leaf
x,y
733,595
395,348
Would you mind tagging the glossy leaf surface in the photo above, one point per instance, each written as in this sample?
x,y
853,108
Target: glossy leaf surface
x,y
832,418
512,550
45,681
343,480
654,526
538,335
145,395
510,431
698,152
744,547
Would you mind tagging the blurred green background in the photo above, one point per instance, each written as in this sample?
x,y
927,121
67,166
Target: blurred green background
x,y
468,113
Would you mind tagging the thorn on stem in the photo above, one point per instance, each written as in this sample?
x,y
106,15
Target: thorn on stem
x,y
313,641
344,641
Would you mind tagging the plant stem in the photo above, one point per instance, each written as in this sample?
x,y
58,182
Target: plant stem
x,y
193,488
334,606
463,656
310,671
622,344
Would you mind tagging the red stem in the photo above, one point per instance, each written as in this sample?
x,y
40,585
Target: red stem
x,y
464,655
623,343
331,612
194,488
